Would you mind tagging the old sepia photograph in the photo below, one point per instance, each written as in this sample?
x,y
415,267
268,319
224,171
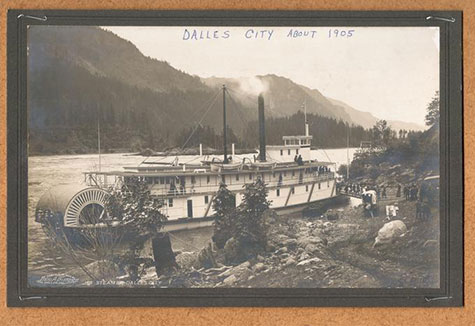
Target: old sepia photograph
x,y
233,157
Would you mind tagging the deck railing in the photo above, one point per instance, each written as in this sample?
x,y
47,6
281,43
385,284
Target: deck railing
x,y
178,190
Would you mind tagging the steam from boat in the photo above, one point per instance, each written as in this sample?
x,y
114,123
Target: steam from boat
x,y
253,86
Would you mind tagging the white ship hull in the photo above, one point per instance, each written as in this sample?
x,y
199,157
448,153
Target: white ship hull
x,y
194,211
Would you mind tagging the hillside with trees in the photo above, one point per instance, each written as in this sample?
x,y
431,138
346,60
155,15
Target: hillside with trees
x,y
411,155
81,78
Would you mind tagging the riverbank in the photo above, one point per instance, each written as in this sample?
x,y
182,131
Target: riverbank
x,y
319,253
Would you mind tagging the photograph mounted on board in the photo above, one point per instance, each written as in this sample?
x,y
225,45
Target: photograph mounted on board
x,y
242,157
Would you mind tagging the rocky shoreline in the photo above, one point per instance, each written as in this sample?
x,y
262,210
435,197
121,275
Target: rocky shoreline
x,y
316,253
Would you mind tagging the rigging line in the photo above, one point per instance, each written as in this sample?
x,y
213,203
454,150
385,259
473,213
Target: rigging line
x,y
251,101
204,106
247,97
238,110
201,120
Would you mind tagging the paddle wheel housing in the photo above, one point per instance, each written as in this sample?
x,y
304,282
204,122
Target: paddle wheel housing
x,y
72,206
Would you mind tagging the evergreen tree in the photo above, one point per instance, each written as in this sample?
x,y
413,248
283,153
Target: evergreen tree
x,y
381,133
224,205
250,227
433,111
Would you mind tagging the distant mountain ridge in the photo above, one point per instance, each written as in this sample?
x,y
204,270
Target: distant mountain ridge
x,y
367,120
286,97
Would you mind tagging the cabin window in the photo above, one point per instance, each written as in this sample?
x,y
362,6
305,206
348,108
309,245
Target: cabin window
x,y
262,176
306,188
237,177
277,192
149,180
292,190
319,186
167,181
223,178
207,179
328,184
273,174
206,199
170,202
281,152
193,179
162,180
293,173
288,151
285,173
296,152
250,176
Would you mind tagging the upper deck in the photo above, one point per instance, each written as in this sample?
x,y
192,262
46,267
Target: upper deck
x,y
182,180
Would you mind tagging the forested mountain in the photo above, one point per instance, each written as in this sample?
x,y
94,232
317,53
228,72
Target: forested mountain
x,y
80,76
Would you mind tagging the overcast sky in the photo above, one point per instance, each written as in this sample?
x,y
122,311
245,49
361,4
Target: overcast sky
x,y
392,72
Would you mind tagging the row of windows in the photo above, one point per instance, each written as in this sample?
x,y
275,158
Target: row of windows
x,y
297,141
181,180
206,198
277,191
289,152
170,201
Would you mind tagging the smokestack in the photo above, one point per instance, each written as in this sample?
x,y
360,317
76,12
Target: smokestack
x,y
262,129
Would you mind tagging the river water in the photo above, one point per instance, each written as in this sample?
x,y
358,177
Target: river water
x,y
47,171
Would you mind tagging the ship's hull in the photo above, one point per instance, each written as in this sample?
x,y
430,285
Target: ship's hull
x,y
199,222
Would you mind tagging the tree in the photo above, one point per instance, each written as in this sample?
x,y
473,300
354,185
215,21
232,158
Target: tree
x,y
224,205
381,133
138,215
250,229
133,204
433,111
244,225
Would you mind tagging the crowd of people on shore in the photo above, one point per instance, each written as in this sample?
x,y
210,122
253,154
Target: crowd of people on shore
x,y
357,189
411,192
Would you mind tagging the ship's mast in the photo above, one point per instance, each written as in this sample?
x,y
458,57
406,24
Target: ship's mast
x,y
225,160
306,122
348,152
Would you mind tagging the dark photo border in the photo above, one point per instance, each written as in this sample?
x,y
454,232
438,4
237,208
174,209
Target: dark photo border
x,y
450,293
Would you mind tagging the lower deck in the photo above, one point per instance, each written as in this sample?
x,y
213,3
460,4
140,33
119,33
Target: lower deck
x,y
194,206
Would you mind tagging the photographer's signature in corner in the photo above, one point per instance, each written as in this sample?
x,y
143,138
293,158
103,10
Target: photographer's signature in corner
x,y
57,279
